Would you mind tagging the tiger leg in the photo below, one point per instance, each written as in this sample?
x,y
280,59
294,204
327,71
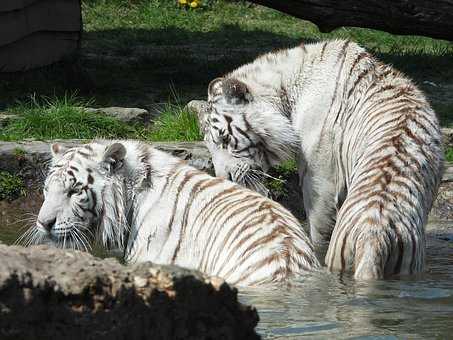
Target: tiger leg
x,y
320,208
374,243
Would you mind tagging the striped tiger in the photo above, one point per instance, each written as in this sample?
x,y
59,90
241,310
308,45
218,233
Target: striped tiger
x,y
158,208
366,140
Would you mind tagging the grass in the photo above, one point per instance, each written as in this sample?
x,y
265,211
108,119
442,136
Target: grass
x,y
60,118
280,174
134,51
11,186
449,154
175,123
229,18
44,118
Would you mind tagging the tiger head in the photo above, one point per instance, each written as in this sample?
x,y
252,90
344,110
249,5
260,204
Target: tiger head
x,y
75,210
246,134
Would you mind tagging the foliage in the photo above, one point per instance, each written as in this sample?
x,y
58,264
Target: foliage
x,y
61,118
277,183
11,186
449,154
18,152
194,4
64,118
175,123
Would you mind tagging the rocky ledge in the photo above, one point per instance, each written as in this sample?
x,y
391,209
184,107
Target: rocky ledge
x,y
48,293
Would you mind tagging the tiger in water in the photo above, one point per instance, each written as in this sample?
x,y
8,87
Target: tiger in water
x,y
367,143
158,208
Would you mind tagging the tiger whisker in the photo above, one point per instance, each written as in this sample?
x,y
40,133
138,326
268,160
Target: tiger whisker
x,y
262,173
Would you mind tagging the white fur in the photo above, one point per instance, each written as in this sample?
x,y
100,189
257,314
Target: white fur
x,y
369,149
172,213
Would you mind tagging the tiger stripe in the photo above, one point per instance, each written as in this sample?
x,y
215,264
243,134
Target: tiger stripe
x,y
158,208
367,140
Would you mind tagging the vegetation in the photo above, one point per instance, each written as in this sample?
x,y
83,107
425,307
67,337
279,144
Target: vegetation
x,y
279,175
134,51
11,186
449,154
60,118
175,123
64,118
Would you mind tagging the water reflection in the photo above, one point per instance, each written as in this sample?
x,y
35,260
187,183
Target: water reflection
x,y
324,305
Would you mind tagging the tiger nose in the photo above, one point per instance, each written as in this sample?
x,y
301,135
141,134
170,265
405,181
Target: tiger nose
x,y
48,224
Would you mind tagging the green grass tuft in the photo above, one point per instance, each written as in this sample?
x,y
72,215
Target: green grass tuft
x,y
449,154
286,168
18,152
175,123
65,118
11,186
61,118
281,173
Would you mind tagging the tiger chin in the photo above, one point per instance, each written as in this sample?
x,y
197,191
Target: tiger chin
x,y
367,142
155,207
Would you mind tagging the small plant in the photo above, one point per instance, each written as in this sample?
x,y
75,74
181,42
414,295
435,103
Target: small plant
x,y
276,183
286,168
276,187
11,186
46,118
175,123
449,154
193,4
18,152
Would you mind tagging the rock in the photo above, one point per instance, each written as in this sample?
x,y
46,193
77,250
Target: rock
x,y
50,293
448,172
6,118
124,114
447,137
443,205
199,106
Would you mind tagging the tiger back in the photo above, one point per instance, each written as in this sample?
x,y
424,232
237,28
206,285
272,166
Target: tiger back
x,y
158,208
367,141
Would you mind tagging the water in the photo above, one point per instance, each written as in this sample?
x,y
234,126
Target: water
x,y
323,305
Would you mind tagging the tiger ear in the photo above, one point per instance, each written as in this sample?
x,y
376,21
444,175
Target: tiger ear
x,y
232,90
114,157
57,151
215,88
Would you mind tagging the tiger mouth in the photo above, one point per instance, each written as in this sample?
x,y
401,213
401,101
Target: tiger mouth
x,y
65,238
252,179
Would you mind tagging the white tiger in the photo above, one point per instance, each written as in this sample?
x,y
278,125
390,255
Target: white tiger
x,y
367,141
167,212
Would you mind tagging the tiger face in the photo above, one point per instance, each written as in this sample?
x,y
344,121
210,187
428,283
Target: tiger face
x,y
72,212
239,132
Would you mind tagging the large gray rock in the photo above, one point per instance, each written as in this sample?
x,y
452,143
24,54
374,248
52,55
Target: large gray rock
x,y
49,293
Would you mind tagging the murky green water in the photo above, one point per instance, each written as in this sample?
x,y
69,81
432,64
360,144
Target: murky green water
x,y
323,305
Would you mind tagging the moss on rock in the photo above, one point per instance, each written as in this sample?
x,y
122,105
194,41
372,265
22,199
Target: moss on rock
x,y
11,186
